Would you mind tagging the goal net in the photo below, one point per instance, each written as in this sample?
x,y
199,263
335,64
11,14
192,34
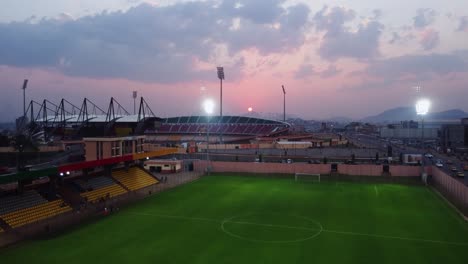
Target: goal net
x,y
309,177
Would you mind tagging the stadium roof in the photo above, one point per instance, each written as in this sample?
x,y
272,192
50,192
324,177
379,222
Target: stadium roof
x,y
221,120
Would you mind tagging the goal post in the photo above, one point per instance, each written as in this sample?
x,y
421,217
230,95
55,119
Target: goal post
x,y
309,177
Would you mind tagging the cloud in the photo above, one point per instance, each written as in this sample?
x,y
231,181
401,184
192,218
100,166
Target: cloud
x,y
424,17
307,70
417,65
148,43
258,11
429,39
340,41
401,37
463,24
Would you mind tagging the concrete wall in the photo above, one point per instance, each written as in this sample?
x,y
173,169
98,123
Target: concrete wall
x,y
252,167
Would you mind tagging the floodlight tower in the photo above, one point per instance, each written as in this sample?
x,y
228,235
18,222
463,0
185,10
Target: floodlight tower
x,y
208,106
422,108
221,78
25,85
134,102
284,103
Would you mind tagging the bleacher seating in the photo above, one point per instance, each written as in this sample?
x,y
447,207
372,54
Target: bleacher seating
x,y
16,202
229,125
95,183
134,179
107,191
99,187
35,213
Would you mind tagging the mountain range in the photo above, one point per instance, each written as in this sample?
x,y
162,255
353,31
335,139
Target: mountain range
x,y
409,113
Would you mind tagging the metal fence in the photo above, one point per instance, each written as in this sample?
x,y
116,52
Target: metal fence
x,y
453,190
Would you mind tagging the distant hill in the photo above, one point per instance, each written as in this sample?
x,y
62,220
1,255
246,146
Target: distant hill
x,y
339,119
409,113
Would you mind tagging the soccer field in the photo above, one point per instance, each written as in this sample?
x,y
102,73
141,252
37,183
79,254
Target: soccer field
x,y
238,219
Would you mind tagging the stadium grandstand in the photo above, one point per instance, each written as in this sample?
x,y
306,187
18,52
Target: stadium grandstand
x,y
48,121
231,128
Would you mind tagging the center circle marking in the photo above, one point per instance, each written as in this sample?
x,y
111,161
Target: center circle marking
x,y
319,229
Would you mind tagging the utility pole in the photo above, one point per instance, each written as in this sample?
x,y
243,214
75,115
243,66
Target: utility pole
x,y
284,104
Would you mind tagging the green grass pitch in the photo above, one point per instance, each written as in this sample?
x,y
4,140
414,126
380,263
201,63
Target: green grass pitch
x,y
238,219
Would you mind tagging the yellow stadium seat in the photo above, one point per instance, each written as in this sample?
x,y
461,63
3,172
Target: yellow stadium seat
x,y
113,190
134,179
35,213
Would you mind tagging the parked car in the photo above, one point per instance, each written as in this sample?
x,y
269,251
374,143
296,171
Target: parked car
x,y
428,155
454,169
439,164
465,167
461,174
449,162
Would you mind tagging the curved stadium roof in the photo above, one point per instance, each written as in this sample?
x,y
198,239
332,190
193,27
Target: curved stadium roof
x,y
219,120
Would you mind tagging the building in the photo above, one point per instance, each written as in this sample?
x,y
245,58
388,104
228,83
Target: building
x,y
163,166
401,132
455,136
99,148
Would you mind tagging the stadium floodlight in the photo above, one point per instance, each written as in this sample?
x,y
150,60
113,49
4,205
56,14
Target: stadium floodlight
x,y
61,174
220,71
68,173
208,106
25,85
284,103
134,96
422,106
147,158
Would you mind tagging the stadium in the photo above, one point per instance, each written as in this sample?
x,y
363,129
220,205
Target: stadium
x,y
136,193
338,135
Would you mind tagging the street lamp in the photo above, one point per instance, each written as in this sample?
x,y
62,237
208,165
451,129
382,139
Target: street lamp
x,y
208,106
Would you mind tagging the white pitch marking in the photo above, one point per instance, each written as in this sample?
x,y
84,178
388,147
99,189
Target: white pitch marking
x,y
307,228
376,191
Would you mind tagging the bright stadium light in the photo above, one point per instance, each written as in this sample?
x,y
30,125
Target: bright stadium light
x,y
208,106
249,109
422,106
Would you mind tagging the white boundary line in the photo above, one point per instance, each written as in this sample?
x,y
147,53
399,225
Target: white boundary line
x,y
300,228
376,191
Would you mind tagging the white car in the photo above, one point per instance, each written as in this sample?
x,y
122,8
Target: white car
x,y
429,155
439,165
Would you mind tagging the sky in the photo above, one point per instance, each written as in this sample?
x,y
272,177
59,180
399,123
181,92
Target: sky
x,y
335,58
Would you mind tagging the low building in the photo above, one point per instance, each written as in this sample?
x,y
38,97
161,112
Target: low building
x,y
108,147
409,133
163,166
455,136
